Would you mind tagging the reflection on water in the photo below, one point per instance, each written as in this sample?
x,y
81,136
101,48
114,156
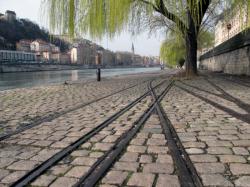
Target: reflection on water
x,y
74,75
30,79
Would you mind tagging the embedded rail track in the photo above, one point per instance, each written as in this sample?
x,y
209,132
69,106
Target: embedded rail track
x,y
59,114
236,80
98,170
242,117
43,167
186,171
222,94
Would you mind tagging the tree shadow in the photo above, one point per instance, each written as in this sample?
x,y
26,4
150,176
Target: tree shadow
x,y
242,117
223,95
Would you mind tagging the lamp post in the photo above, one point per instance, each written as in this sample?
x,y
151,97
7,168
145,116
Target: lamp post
x,y
229,27
98,60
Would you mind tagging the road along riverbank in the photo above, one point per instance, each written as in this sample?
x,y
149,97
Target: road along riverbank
x,y
142,130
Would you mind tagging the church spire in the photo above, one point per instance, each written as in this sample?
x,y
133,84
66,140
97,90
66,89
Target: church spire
x,y
133,48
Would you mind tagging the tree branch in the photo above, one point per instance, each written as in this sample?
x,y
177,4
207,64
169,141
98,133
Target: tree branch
x,y
202,7
161,8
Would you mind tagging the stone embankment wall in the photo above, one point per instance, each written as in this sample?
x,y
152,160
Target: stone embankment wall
x,y
29,67
232,56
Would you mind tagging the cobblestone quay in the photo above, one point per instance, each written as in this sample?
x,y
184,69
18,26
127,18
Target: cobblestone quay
x,y
210,115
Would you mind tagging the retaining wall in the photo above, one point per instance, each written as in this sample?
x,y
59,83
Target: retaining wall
x,y
29,67
231,57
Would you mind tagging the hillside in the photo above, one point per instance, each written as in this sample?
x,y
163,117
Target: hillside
x,y
12,32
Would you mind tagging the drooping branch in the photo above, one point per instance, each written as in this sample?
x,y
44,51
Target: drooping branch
x,y
160,7
71,18
202,7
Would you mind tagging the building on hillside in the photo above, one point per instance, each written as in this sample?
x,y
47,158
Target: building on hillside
x,y
8,56
40,46
42,50
84,51
54,48
76,52
23,45
63,58
2,43
45,52
8,16
230,24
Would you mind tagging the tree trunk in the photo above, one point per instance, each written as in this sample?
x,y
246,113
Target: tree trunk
x,y
191,47
191,54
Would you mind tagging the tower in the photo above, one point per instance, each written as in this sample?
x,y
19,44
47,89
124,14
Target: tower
x,y
133,48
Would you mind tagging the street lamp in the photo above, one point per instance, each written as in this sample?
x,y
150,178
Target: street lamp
x,y
98,62
229,27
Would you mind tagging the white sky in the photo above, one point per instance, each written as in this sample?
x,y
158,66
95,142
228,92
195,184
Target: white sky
x,y
144,44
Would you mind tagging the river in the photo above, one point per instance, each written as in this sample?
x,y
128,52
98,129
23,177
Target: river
x,y
31,79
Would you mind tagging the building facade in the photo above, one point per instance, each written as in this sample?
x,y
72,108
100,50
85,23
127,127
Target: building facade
x,y
40,46
123,58
236,22
84,52
23,45
8,16
16,56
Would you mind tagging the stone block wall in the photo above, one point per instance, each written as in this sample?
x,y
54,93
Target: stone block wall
x,y
231,57
235,62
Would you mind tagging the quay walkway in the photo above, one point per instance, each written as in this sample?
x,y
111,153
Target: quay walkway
x,y
152,129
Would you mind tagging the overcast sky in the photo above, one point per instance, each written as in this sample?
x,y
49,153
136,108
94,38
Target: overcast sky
x,y
144,44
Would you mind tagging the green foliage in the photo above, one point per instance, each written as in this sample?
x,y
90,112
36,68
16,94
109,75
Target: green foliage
x,y
173,48
181,62
96,17
205,39
102,17
109,17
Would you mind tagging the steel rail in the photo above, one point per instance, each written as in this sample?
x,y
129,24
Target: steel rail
x,y
57,115
98,170
237,81
41,168
186,171
239,116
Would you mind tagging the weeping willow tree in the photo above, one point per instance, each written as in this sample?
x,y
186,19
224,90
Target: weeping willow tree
x,y
172,50
109,17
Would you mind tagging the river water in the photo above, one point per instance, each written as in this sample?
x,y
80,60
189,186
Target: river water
x,y
30,79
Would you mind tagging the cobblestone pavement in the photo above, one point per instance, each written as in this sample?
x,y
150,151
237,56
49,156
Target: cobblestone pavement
x,y
24,151
79,161
210,115
213,128
21,107
146,162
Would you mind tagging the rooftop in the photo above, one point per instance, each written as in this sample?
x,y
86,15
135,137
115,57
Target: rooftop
x,y
10,12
